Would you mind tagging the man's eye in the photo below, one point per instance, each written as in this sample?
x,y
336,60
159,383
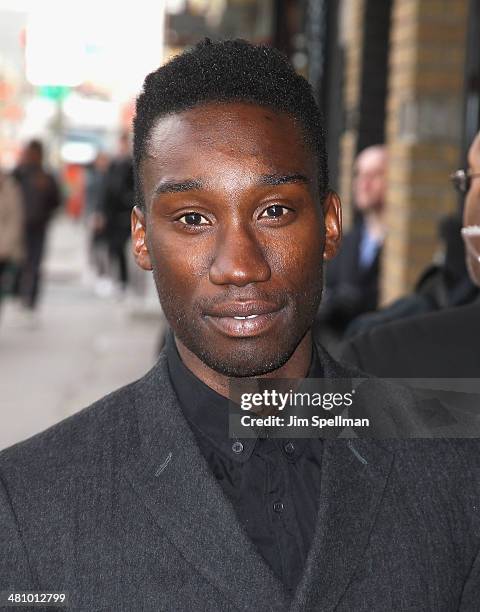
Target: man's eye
x,y
275,211
193,218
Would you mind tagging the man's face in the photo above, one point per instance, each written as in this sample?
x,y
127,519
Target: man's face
x,y
471,211
370,181
235,233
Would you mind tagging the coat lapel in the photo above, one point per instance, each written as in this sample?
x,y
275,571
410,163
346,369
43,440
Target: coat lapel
x,y
173,480
354,475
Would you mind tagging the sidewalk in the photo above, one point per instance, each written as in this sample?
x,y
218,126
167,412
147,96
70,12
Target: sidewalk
x,y
82,347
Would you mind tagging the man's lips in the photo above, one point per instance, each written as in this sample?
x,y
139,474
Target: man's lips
x,y
243,319
242,309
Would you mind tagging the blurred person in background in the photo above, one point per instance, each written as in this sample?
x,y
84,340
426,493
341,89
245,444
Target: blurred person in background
x,y
11,232
352,277
40,197
444,283
95,219
440,344
117,199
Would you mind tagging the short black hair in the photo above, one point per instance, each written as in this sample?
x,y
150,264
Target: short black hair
x,y
228,71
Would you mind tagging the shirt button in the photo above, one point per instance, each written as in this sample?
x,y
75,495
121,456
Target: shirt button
x,y
289,448
278,506
237,447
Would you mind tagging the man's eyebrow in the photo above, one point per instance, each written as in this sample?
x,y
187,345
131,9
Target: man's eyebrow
x,y
177,187
282,179
194,184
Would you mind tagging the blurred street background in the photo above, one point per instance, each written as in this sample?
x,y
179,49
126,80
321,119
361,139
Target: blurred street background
x,y
78,348
398,82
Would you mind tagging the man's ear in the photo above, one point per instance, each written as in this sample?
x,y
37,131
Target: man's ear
x,y
139,243
332,214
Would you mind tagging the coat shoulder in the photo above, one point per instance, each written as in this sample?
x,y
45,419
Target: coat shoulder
x,y
108,425
410,347
72,439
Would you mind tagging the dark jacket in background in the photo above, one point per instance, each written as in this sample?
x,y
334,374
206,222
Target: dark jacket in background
x,y
117,200
118,507
444,344
350,289
439,286
41,195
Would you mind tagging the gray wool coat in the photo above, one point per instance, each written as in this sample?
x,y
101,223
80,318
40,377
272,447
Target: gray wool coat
x,y
117,507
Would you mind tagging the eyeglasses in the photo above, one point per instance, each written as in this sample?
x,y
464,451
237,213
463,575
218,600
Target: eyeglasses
x,y
462,179
469,233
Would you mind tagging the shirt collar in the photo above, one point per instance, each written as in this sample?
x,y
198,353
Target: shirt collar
x,y
207,411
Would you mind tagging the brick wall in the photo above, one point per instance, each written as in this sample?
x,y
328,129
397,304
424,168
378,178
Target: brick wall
x,y
352,23
423,129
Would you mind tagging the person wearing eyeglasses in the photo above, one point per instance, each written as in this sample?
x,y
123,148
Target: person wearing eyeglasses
x,y
443,344
469,182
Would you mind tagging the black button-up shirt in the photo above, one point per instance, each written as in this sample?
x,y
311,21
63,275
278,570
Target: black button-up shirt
x,y
273,484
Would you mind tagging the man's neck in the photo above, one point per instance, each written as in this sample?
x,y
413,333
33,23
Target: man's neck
x,y
296,367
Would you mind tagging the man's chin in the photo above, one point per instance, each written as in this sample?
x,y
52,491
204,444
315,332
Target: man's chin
x,y
239,369
247,360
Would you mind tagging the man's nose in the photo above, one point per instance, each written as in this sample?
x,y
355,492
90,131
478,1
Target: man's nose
x,y
239,259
